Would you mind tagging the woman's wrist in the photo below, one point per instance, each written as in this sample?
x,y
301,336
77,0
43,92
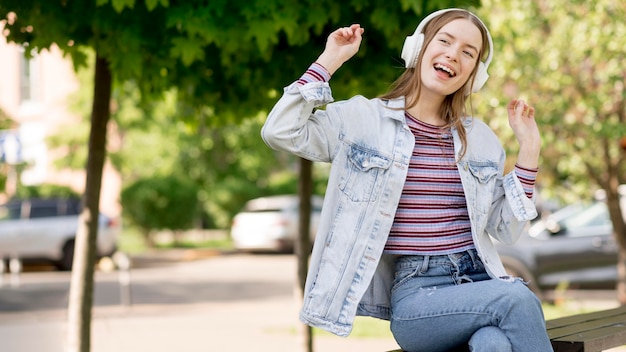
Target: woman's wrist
x,y
528,158
329,62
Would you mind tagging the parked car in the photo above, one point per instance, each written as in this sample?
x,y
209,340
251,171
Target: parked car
x,y
271,223
574,245
45,229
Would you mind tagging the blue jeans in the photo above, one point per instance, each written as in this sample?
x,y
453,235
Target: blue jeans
x,y
449,303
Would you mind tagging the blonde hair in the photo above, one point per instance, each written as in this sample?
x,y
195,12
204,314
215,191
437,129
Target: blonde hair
x,y
409,83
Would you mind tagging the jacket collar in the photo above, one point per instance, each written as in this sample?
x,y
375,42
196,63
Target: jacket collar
x,y
395,108
396,111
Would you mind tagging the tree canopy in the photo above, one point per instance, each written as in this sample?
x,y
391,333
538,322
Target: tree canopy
x,y
566,58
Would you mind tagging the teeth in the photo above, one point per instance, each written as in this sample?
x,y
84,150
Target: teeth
x,y
446,69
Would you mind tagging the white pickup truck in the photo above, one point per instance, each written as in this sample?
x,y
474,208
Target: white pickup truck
x,y
44,230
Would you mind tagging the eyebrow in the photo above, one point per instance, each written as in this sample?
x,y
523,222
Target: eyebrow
x,y
453,37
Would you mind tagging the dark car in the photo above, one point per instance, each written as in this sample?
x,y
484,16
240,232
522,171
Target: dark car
x,y
574,246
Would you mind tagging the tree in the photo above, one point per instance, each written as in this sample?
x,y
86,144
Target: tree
x,y
217,54
567,58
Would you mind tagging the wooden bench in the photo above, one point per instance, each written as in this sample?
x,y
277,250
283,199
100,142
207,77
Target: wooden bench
x,y
589,332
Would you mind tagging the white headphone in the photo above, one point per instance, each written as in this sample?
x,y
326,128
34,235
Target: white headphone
x,y
413,44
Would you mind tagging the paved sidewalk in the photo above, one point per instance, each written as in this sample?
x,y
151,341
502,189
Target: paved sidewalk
x,y
198,309
249,327
199,305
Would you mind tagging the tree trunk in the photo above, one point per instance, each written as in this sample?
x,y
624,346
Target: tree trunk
x,y
303,244
621,276
619,231
81,286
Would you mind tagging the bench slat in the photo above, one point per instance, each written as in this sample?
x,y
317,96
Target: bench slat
x,y
554,323
588,332
587,326
591,341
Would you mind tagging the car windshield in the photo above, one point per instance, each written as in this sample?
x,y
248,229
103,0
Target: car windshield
x,y
595,214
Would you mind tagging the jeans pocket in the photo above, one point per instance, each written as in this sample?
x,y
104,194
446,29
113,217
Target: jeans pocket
x,y
404,273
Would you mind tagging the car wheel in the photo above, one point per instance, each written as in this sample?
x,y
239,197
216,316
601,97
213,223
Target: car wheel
x,y
517,269
68,256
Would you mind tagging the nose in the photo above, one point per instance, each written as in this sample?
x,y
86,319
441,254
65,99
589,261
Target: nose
x,y
452,53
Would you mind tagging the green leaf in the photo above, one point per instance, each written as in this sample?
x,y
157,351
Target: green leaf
x,y
120,5
152,4
187,49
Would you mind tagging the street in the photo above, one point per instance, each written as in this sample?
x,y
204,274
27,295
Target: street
x,y
234,302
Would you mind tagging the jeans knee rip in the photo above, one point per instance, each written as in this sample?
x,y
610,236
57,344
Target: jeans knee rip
x,y
463,279
509,278
431,290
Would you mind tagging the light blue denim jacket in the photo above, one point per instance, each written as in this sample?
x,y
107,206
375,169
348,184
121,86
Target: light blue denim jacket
x,y
369,145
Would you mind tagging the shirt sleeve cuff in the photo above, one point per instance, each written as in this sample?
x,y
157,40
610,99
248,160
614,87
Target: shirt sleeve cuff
x,y
527,177
315,73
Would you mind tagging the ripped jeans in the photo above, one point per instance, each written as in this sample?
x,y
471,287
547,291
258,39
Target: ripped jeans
x,y
449,303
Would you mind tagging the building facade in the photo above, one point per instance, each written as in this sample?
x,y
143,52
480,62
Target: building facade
x,y
34,93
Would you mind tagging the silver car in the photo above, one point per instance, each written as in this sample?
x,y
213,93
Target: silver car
x,y
271,223
36,230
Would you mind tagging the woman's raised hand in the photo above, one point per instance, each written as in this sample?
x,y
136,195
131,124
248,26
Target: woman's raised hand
x,y
341,45
522,121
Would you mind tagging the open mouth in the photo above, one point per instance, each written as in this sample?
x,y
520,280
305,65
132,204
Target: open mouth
x,y
445,69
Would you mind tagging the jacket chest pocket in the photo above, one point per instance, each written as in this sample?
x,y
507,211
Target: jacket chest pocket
x,y
484,175
364,174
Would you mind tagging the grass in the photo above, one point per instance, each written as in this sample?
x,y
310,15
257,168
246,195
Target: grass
x,y
131,241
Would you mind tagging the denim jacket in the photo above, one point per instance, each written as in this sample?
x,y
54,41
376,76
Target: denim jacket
x,y
369,146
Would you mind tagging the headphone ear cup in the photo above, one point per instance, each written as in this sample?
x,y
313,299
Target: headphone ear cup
x,y
481,77
411,49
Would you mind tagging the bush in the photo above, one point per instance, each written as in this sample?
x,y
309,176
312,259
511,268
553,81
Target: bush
x,y
160,203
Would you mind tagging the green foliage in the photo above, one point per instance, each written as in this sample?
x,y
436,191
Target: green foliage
x,y
159,203
45,191
5,121
567,58
221,53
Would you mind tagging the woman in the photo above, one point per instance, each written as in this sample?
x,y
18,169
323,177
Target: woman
x,y
416,189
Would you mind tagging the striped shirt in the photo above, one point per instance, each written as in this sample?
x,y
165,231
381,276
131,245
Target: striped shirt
x,y
432,216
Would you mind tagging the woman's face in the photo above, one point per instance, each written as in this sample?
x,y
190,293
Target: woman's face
x,y
450,57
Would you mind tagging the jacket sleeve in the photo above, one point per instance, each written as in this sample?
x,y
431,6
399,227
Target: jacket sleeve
x,y
511,210
296,125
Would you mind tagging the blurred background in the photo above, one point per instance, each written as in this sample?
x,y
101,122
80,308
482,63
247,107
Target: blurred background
x,y
161,103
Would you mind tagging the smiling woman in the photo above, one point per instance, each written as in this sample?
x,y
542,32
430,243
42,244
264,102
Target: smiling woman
x,y
416,189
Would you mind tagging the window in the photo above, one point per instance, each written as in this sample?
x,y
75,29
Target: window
x,y
29,77
43,210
